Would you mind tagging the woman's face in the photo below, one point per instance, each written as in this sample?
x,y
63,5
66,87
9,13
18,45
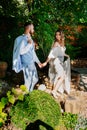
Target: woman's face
x,y
58,36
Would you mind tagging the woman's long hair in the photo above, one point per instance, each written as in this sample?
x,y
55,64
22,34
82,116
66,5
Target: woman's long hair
x,y
62,37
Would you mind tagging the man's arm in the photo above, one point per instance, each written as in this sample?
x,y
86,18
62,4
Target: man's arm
x,y
36,59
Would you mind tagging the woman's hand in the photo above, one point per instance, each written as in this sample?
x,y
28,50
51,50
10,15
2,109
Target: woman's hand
x,y
44,64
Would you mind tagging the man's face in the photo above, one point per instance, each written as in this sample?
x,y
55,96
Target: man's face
x,y
31,28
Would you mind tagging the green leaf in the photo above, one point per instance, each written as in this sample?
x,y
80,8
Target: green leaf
x,y
14,91
23,88
1,106
4,101
11,99
21,97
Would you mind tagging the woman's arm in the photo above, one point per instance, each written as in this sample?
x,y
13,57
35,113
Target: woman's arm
x,y
46,62
50,56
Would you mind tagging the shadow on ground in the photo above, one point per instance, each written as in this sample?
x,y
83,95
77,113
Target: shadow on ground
x,y
36,125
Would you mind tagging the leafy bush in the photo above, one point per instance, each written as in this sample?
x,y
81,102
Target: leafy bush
x,y
10,99
81,123
70,120
72,51
37,106
3,116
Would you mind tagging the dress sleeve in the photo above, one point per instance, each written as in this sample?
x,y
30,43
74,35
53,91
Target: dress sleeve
x,y
24,49
50,56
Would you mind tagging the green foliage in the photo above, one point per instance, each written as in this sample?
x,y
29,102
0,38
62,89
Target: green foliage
x,y
72,51
36,105
1,106
12,97
45,39
70,120
23,88
4,101
13,91
46,15
81,123
82,40
21,97
3,116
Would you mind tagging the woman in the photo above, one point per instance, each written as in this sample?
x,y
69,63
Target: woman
x,y
59,71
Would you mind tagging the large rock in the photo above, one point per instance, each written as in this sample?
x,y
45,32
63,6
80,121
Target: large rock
x,y
72,105
80,75
77,103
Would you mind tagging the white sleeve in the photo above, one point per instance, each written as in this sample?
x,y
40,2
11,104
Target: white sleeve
x,y
24,49
51,55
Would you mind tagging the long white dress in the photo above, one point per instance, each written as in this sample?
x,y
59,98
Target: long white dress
x,y
59,68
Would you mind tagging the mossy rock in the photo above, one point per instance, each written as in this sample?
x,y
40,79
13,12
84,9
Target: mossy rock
x,y
39,109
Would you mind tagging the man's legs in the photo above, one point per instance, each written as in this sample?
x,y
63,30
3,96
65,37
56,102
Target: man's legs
x,y
34,80
30,78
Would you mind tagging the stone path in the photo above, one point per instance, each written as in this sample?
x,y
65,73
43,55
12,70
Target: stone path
x,y
83,77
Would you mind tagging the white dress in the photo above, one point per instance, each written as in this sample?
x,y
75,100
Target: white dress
x,y
59,68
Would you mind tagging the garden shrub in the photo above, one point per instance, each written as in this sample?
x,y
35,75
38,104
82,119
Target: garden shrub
x,y
38,106
81,123
9,100
70,120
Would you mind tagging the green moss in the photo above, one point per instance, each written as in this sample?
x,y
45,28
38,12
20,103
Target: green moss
x,y
36,105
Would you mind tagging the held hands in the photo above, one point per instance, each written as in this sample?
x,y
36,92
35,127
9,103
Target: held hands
x,y
44,64
41,65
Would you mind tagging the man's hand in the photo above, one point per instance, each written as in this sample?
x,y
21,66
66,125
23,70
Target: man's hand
x,y
40,65
29,41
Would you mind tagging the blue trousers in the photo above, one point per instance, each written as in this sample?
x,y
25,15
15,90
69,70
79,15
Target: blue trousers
x,y
30,76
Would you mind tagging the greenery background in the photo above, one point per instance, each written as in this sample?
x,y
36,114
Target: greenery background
x,y
47,16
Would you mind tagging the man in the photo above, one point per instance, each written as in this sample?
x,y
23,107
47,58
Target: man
x,y
24,57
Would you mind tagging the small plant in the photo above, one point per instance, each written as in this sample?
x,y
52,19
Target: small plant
x,y
70,120
81,123
3,116
70,49
12,97
23,88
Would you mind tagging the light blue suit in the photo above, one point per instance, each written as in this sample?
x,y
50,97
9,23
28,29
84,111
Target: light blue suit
x,y
24,58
